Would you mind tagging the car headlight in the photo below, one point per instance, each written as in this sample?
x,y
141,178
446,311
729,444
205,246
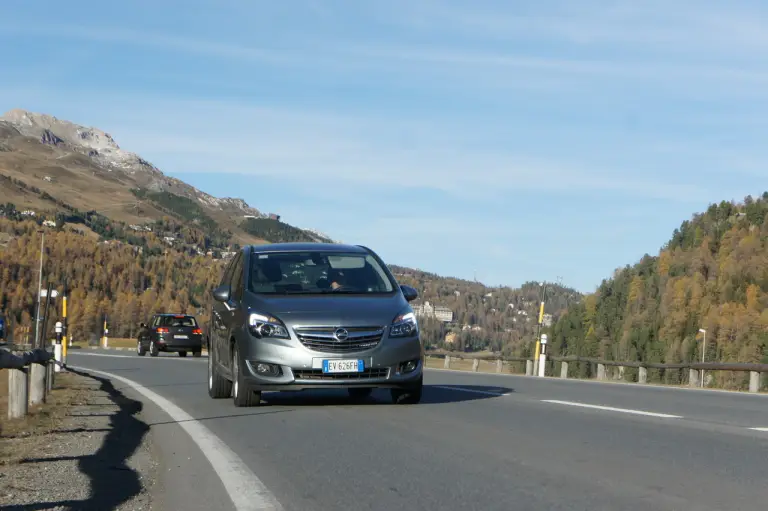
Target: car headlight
x,y
261,325
404,325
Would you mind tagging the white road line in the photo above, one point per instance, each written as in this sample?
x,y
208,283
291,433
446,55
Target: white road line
x,y
612,409
246,490
760,429
485,392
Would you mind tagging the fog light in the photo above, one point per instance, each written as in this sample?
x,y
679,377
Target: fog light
x,y
265,369
409,367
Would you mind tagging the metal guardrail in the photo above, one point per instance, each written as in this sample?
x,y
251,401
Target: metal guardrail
x,y
695,378
29,384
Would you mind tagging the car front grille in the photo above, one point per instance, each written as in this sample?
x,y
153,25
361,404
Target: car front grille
x,y
326,340
317,374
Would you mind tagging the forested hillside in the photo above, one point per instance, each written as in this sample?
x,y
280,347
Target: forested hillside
x,y
129,282
122,281
712,275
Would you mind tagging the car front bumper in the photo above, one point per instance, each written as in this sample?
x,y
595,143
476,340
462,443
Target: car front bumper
x,y
301,368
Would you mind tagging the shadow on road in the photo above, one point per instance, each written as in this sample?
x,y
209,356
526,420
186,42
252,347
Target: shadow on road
x,y
433,394
112,481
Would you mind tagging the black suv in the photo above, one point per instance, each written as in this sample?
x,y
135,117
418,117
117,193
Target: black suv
x,y
175,333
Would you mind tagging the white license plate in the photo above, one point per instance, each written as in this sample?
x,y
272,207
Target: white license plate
x,y
343,366
180,337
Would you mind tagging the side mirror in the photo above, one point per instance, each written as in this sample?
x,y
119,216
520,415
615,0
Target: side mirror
x,y
410,293
221,293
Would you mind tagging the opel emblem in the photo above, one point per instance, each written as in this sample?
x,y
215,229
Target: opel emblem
x,y
341,334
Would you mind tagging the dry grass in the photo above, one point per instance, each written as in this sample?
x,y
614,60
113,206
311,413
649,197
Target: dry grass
x,y
121,342
19,437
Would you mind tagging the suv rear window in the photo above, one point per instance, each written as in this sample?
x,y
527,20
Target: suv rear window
x,y
178,321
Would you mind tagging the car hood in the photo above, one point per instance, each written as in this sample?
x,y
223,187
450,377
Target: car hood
x,y
339,310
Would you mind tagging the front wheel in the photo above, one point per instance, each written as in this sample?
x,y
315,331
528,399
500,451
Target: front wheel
x,y
241,394
218,387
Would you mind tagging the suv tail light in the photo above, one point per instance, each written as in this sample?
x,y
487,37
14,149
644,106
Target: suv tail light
x,y
162,330
197,331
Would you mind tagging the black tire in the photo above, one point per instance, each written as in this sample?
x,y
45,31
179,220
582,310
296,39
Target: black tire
x,y
218,386
359,393
153,349
197,353
140,349
182,353
408,396
242,396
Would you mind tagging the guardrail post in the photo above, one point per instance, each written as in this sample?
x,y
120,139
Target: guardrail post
x,y
529,367
447,363
499,365
476,364
754,381
563,369
18,393
600,371
642,375
620,373
36,384
693,378
49,372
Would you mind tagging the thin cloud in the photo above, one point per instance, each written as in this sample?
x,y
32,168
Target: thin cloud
x,y
309,147
501,67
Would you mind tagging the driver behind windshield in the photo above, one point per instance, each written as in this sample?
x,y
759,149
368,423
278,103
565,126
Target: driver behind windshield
x,y
337,278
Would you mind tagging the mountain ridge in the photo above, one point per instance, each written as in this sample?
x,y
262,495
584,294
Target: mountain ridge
x,y
66,148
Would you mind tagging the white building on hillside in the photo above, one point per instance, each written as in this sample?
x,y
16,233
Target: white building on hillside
x,y
427,310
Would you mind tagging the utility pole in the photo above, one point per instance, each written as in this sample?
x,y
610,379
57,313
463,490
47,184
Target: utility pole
x,y
538,329
39,291
703,350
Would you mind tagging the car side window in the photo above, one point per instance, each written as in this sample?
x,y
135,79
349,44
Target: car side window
x,y
237,278
155,321
226,278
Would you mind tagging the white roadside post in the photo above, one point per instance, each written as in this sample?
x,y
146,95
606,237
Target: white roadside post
x,y
57,354
543,354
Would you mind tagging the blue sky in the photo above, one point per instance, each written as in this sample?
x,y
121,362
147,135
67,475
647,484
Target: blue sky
x,y
519,140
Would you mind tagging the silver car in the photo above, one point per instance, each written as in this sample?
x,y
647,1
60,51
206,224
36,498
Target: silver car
x,y
296,316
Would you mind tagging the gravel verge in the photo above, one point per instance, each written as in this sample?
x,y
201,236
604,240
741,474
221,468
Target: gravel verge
x,y
85,449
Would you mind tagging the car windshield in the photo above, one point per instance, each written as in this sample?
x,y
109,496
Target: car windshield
x,y
178,321
317,273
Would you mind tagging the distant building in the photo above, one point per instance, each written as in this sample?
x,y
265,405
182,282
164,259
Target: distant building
x,y
273,216
427,310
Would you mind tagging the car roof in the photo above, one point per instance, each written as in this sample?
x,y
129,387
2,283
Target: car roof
x,y
307,247
173,314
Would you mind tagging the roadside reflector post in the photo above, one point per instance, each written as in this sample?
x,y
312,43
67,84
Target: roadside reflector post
x,y
543,355
57,348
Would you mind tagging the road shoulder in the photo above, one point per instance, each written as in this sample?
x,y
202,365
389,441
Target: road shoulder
x,y
87,448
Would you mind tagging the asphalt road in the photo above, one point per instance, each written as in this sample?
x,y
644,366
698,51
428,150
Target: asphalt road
x,y
476,442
